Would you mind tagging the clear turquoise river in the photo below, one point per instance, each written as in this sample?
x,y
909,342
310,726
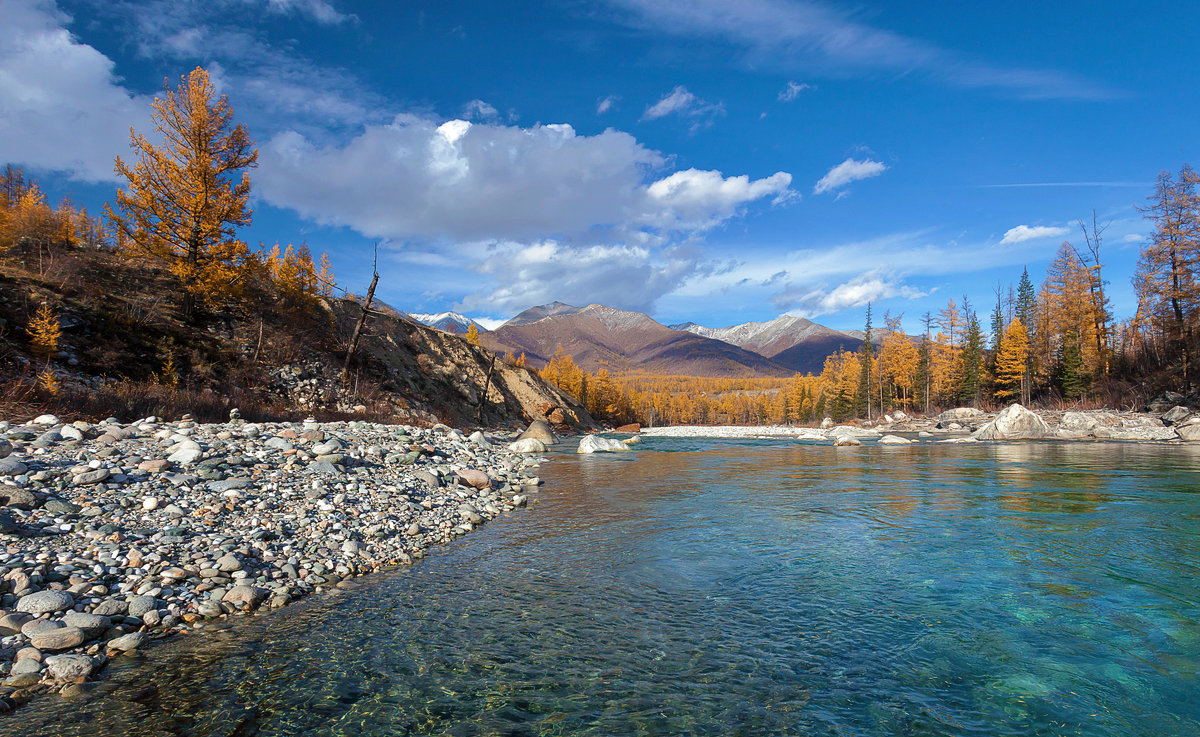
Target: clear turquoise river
x,y
706,587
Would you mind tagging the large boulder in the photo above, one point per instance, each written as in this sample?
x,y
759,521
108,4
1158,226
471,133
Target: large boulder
x,y
1014,423
597,444
894,440
1190,432
1176,415
850,431
539,430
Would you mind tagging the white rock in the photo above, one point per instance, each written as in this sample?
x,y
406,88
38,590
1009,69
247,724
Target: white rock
x,y
528,445
597,444
845,440
45,420
894,440
1014,423
150,503
185,457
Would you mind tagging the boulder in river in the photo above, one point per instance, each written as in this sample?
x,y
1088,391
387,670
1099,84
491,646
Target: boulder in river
x,y
1176,415
1014,423
597,444
894,440
539,430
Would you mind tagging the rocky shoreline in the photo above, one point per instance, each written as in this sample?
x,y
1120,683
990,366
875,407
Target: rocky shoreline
x,y
113,535
966,424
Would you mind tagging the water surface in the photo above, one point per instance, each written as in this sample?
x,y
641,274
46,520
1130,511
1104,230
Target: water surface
x,y
738,587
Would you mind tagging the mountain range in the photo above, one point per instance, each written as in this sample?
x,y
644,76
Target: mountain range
x,y
598,337
621,341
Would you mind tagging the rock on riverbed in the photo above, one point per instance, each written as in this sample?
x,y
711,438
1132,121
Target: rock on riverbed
x,y
115,534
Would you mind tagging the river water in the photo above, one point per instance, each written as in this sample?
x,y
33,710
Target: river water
x,y
752,587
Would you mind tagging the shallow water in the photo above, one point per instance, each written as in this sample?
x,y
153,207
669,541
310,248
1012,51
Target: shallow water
x,y
738,588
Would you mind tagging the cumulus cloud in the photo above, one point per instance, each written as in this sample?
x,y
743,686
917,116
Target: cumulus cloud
x,y
793,90
872,286
1023,233
61,104
850,170
418,178
680,101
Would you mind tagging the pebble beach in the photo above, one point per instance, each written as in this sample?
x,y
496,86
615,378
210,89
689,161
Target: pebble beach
x,y
113,535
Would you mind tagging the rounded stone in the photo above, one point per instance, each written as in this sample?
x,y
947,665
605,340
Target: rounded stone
x,y
45,602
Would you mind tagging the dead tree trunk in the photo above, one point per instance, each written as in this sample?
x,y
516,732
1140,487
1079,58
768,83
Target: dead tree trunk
x,y
487,384
362,319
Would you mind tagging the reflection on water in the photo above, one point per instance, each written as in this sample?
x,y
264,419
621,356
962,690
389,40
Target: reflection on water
x,y
739,588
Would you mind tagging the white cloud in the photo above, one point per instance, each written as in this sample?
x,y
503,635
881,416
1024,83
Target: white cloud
x,y
793,90
605,104
850,170
680,101
622,276
808,35
696,200
419,178
480,110
319,10
1023,233
872,286
61,104
1133,238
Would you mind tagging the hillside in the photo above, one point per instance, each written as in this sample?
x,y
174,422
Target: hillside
x,y
622,341
126,349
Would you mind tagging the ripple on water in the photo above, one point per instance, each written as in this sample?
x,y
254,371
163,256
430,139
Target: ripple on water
x,y
741,587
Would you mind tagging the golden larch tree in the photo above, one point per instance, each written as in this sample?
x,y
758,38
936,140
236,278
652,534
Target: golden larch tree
x,y
1010,362
185,200
44,332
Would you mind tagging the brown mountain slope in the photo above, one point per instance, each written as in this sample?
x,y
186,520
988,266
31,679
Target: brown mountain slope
x,y
603,337
126,350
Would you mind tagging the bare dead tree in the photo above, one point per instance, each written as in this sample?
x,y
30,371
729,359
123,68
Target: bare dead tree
x,y
1096,284
362,319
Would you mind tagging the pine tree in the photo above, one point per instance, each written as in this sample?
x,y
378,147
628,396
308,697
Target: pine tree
x,y
1026,306
863,401
183,203
1070,375
473,334
971,371
925,365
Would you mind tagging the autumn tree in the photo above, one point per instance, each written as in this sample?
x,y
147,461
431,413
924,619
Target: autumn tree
x,y
44,332
185,201
473,334
1168,272
1011,361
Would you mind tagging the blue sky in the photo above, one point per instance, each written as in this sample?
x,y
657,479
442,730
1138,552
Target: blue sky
x,y
698,160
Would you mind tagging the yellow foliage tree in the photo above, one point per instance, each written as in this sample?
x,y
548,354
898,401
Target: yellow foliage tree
x,y
325,280
183,203
473,335
44,332
1010,362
